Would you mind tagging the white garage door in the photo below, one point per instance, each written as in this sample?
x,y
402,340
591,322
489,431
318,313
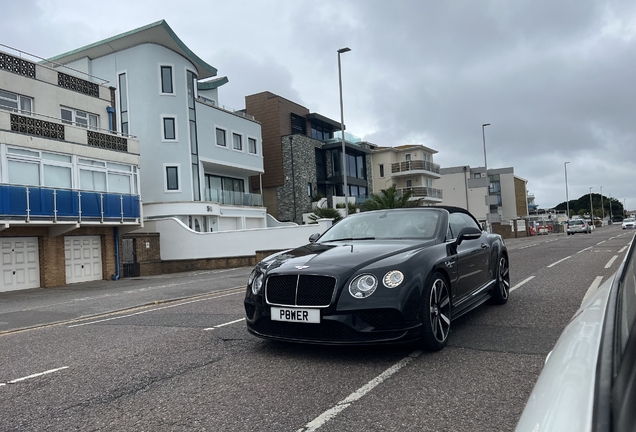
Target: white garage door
x,y
83,255
20,263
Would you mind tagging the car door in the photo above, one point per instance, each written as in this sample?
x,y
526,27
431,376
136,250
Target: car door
x,y
472,257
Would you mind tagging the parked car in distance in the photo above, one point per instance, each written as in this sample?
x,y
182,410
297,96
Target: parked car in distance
x,y
381,276
629,223
588,382
578,226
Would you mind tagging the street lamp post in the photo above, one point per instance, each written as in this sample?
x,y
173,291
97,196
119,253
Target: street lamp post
x,y
342,131
483,135
610,200
591,209
567,199
602,208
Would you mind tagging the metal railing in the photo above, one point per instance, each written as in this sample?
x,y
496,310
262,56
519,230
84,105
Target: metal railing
x,y
424,192
233,198
209,102
55,204
415,165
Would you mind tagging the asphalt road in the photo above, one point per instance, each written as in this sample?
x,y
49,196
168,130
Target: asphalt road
x,y
86,357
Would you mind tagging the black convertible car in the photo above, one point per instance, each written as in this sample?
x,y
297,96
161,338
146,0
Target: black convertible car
x,y
380,276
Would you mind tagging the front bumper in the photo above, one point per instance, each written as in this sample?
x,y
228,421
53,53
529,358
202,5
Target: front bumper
x,y
362,327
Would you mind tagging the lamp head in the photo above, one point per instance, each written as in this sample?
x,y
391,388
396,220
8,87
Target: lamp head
x,y
344,50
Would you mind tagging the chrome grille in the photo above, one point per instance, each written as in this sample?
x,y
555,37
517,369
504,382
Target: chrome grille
x,y
300,290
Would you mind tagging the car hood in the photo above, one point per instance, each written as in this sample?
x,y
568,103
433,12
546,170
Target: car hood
x,y
343,254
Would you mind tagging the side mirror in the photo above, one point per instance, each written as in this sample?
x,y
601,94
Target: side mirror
x,y
468,233
314,237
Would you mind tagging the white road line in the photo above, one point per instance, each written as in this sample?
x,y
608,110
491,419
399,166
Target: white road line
x,y
323,418
623,249
17,380
225,324
600,242
592,288
611,261
559,261
523,282
529,246
152,310
583,250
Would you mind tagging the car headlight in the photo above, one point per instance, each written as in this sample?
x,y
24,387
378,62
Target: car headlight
x,y
251,278
363,286
393,278
257,284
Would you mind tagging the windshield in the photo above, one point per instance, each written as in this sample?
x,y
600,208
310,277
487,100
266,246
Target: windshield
x,y
421,224
629,220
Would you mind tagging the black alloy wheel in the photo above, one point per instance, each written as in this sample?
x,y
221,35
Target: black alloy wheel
x,y
436,314
501,291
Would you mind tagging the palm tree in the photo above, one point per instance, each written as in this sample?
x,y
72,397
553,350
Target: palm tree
x,y
325,213
390,198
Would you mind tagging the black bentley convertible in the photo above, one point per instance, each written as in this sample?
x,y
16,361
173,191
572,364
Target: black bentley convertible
x,y
380,276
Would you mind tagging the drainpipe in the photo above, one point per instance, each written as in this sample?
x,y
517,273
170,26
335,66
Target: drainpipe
x,y
110,111
116,275
466,186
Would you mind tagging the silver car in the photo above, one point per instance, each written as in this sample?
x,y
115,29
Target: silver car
x,y
578,226
629,223
588,382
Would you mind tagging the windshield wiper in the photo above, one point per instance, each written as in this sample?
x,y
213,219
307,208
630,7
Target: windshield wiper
x,y
351,238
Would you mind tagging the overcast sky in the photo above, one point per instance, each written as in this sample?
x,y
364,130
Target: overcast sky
x,y
555,79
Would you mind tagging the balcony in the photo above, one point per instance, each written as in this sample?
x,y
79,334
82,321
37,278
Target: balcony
x,y
233,198
425,193
31,203
415,167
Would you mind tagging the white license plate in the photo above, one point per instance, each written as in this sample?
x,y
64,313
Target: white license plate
x,y
296,315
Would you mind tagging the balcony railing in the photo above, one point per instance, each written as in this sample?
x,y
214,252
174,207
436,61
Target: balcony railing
x,y
233,198
42,203
414,165
424,192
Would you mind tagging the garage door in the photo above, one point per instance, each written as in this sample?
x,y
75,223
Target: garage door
x,y
20,263
83,255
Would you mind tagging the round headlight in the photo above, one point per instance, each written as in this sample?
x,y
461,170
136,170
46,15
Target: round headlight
x,y
258,284
393,278
363,286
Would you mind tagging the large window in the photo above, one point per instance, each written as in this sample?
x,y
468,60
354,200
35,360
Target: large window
x,y
298,124
101,176
167,86
79,118
15,102
123,102
237,142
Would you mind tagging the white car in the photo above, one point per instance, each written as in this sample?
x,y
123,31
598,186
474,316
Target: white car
x,y
588,383
629,223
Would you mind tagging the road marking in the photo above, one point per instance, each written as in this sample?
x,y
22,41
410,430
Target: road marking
x,y
623,249
153,310
226,324
17,380
529,246
323,418
611,261
600,242
523,282
592,288
583,250
559,261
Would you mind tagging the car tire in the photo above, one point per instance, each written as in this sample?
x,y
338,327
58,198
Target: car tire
x,y
501,291
436,313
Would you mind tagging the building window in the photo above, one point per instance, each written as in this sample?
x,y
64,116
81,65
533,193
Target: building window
x,y
172,178
251,143
407,157
298,124
123,103
309,191
409,183
381,170
166,80
237,142
79,118
15,102
169,128
220,137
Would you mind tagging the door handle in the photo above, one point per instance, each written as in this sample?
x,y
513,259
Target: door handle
x,y
484,246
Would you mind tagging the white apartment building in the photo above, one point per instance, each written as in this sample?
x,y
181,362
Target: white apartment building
x,y
69,184
409,168
504,195
197,156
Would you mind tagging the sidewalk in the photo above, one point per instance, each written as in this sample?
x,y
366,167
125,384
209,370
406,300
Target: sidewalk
x,y
43,306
